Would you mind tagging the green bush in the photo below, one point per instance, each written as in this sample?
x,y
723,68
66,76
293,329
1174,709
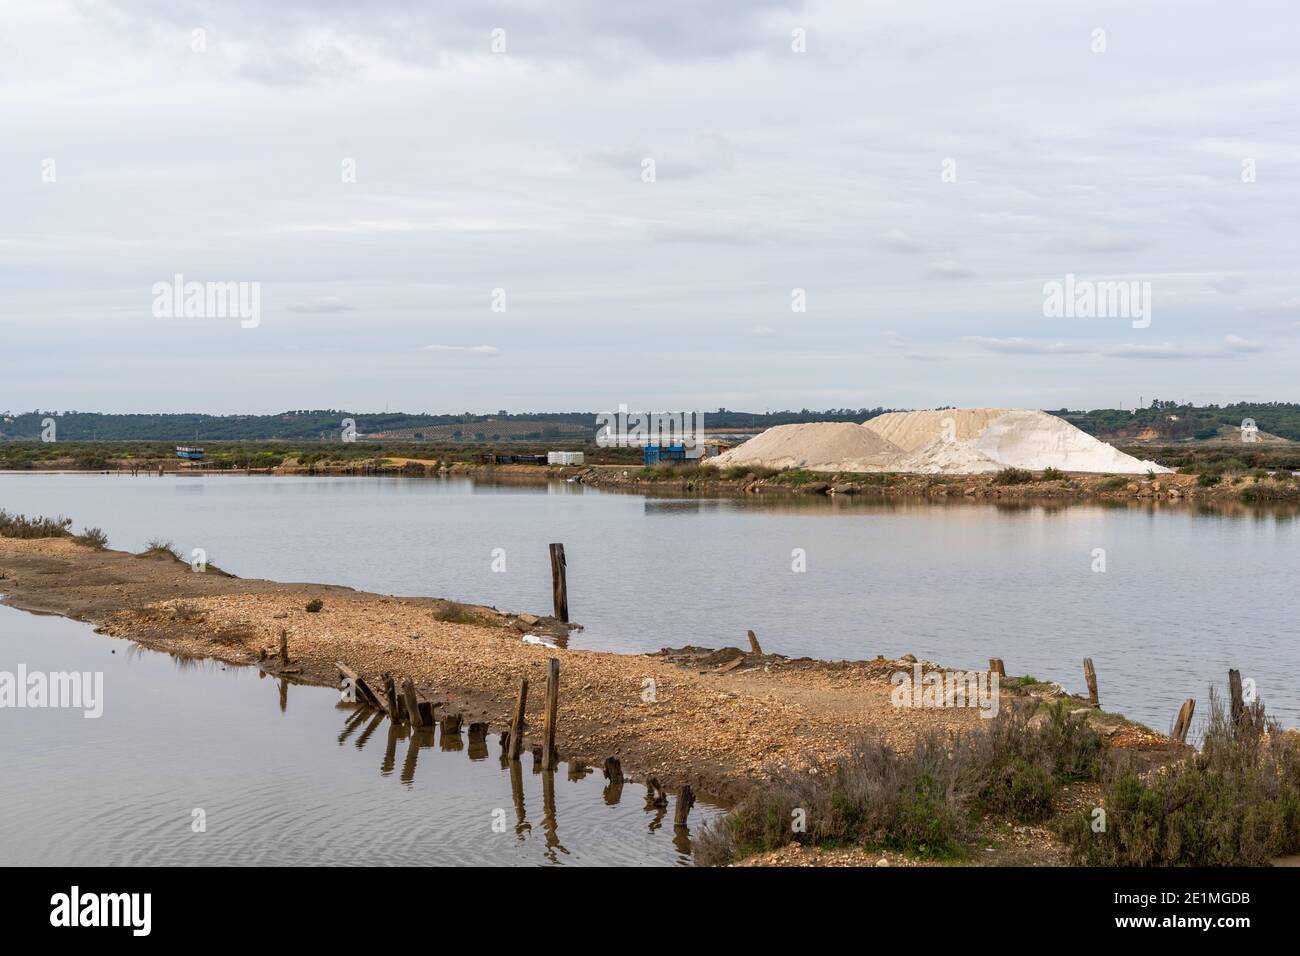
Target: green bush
x,y
92,538
1208,479
1013,476
158,548
1053,474
1236,803
920,801
20,526
1113,484
314,606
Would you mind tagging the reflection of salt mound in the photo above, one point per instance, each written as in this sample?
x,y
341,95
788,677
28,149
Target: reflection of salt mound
x,y
977,440
820,446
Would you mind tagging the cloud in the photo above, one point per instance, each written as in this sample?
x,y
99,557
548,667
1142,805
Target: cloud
x,y
1235,343
1022,346
323,305
948,269
480,351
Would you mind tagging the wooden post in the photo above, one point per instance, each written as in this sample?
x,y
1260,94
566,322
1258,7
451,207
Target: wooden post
x,y
685,800
412,703
1090,675
549,757
996,667
559,582
451,724
753,643
1238,703
390,698
284,648
613,770
517,722
1184,721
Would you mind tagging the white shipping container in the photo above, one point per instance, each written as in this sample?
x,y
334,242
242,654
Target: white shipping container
x,y
565,458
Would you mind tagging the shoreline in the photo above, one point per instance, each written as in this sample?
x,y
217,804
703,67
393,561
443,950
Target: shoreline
x,y
719,720
1246,493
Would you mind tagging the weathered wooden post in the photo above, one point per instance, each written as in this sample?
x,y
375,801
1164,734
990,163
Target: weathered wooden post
x,y
753,644
685,800
1090,675
1184,721
613,770
1238,703
412,703
549,757
284,648
517,722
390,698
559,583
996,667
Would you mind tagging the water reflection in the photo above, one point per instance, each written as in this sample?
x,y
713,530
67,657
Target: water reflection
x,y
446,734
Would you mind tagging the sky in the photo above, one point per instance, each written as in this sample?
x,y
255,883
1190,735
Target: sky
x,y
473,206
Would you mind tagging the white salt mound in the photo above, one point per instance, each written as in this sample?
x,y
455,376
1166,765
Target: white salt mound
x,y
979,440
819,446
951,441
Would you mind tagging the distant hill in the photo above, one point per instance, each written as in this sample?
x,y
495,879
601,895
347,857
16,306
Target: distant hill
x,y
1173,422
327,425
1161,422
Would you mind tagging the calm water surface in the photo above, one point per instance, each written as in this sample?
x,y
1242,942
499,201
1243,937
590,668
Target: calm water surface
x,y
283,773
1185,595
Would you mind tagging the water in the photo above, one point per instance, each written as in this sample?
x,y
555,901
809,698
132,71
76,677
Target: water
x,y
1186,593
283,774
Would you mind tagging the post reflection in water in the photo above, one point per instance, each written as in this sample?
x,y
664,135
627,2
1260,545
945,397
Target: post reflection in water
x,y
296,785
360,723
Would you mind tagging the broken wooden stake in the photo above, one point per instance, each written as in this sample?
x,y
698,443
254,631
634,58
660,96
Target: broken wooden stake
x,y
1090,675
996,667
655,795
550,759
559,582
1184,721
753,643
517,722
451,724
361,691
284,647
412,704
613,770
685,800
390,698
1237,701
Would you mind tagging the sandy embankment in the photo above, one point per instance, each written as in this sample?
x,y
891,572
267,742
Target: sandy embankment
x,y
716,729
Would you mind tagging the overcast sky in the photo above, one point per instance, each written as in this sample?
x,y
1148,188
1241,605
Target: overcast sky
x,y
133,148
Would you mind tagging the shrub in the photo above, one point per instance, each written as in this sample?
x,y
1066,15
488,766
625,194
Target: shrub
x,y
919,801
1013,476
1237,803
158,548
1113,484
1208,479
20,526
871,796
1053,474
314,606
92,538
1016,763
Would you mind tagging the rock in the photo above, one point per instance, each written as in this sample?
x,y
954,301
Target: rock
x,y
910,658
883,861
529,619
280,615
